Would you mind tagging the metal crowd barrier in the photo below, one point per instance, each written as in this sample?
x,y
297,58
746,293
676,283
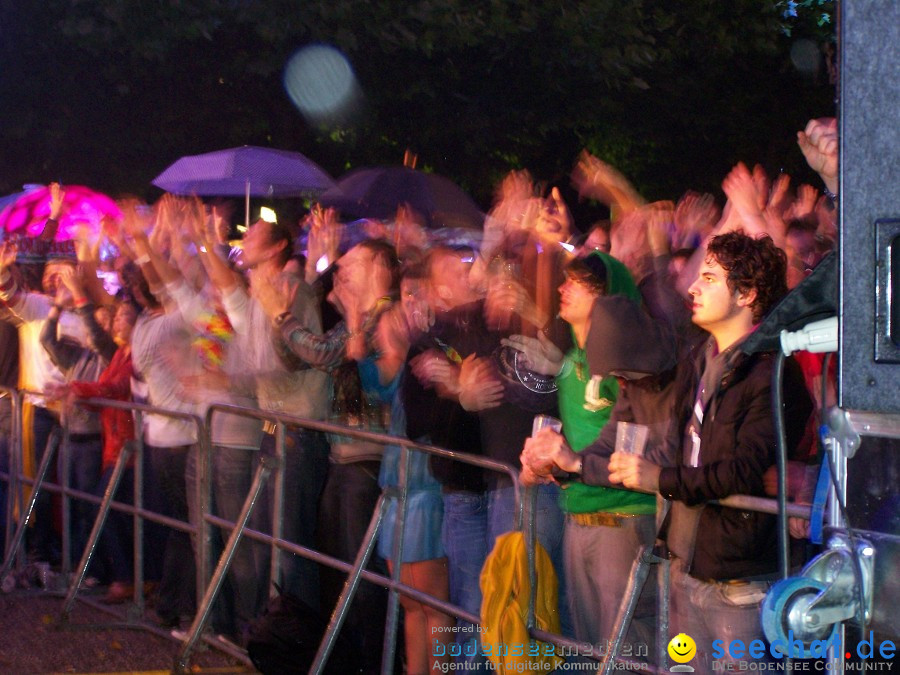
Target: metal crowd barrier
x,y
208,592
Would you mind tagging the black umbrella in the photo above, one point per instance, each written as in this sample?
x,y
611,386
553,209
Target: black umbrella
x,y
377,192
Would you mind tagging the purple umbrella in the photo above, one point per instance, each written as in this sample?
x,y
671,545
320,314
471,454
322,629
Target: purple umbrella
x,y
247,171
377,192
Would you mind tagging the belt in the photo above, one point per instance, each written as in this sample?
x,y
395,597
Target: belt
x,y
600,519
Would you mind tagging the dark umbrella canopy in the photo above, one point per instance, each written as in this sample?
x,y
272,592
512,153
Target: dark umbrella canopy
x,y
263,172
377,192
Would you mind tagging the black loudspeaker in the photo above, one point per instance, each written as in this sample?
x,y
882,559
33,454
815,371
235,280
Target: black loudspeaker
x,y
869,125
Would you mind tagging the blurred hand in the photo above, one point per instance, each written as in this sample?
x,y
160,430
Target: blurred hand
x,y
324,240
8,252
742,191
695,216
275,295
819,145
795,477
505,299
57,197
540,354
547,449
479,388
432,368
633,472
779,196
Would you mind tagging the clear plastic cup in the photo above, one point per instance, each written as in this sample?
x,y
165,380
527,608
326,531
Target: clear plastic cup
x,y
631,438
543,421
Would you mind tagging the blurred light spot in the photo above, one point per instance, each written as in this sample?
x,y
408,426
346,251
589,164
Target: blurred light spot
x,y
321,83
268,215
805,56
322,264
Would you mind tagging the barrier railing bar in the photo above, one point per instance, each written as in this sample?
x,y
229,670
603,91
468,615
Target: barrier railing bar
x,y
215,584
350,586
393,609
99,522
15,476
49,453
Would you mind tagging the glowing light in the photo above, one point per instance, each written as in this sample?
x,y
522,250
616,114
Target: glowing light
x,y
321,83
268,215
322,264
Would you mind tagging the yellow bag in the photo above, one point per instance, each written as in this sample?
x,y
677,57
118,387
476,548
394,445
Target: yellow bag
x,y
505,589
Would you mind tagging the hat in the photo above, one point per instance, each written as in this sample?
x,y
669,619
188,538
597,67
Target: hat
x,y
626,341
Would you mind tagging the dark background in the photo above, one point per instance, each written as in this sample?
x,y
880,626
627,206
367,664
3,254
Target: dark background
x,y
109,92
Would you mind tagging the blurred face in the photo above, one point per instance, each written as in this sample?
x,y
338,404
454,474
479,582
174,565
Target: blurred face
x,y
258,245
123,323
714,304
50,280
576,299
449,281
413,301
104,317
355,269
598,240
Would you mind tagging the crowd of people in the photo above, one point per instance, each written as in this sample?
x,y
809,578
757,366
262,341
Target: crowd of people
x,y
450,340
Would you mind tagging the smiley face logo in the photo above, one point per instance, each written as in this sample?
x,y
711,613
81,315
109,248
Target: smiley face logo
x,y
682,648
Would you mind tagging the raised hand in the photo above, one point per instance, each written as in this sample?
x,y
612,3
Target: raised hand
x,y
275,295
742,191
819,145
541,355
322,247
479,388
695,216
8,252
57,197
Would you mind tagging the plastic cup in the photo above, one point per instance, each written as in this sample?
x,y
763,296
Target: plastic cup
x,y
631,438
543,421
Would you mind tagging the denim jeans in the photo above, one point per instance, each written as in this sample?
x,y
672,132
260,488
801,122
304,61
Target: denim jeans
x,y
165,492
465,538
85,458
305,472
348,504
710,611
116,545
549,526
242,596
43,541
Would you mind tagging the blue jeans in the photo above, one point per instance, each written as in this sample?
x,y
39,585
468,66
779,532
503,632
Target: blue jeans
x,y
710,611
465,538
116,545
305,472
549,526
165,492
85,459
243,594
43,540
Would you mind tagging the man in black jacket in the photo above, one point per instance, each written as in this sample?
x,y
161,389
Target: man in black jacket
x,y
723,558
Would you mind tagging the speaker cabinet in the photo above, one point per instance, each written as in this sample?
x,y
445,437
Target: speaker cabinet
x,y
869,123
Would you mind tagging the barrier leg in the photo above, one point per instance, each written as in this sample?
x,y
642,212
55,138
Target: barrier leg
x,y
352,583
49,453
640,570
99,522
218,577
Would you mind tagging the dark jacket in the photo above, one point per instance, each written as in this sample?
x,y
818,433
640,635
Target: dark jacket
x,y
737,447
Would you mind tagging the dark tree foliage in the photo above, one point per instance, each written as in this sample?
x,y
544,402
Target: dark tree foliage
x,y
109,92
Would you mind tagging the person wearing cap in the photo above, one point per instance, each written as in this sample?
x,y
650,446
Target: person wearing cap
x,y
605,526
